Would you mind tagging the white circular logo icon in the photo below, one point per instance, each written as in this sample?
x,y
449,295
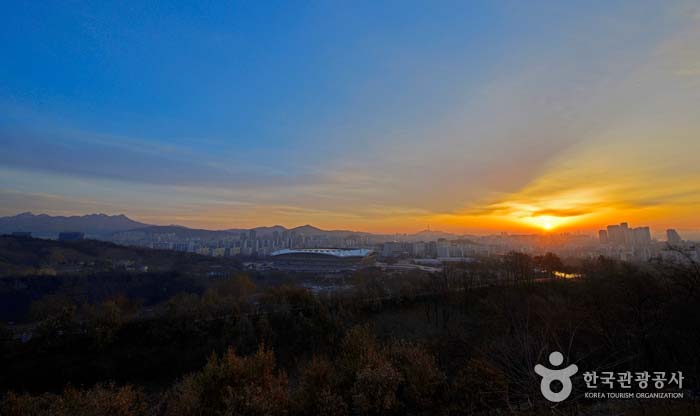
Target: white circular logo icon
x,y
549,375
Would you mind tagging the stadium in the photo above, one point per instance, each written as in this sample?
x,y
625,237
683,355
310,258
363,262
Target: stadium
x,y
328,260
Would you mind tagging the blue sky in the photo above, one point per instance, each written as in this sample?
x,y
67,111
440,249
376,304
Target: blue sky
x,y
378,115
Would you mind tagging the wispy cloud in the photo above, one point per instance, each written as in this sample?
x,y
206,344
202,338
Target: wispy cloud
x,y
590,126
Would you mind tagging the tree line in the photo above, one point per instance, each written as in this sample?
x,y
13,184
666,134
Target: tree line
x,y
399,343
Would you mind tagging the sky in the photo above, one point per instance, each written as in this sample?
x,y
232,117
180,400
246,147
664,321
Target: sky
x,y
381,116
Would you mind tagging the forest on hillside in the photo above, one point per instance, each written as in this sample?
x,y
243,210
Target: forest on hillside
x,y
460,342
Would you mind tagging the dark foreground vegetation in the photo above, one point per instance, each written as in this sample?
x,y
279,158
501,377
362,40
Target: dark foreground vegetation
x,y
39,277
462,342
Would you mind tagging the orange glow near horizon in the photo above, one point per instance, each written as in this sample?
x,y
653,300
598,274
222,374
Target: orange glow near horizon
x,y
658,218
583,190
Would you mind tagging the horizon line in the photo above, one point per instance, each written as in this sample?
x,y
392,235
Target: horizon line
x,y
553,232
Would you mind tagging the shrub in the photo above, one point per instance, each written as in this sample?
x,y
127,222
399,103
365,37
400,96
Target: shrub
x,y
232,385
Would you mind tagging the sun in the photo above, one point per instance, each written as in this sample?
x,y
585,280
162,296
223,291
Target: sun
x,y
546,222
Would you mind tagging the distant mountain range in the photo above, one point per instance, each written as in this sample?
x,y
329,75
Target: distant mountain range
x,y
121,228
93,224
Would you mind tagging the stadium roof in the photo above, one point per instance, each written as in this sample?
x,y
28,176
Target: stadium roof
x,y
336,252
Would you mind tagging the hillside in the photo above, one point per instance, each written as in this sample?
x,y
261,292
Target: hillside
x,y
27,256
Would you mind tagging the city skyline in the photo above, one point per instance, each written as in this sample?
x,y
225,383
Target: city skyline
x,y
467,118
600,234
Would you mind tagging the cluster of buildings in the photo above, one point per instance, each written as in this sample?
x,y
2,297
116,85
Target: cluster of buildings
x,y
440,249
246,243
617,241
329,250
625,243
623,235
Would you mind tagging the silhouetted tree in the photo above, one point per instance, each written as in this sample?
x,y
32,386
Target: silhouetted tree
x,y
232,385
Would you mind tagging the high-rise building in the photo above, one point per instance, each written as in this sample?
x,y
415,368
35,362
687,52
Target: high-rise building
x,y
419,249
672,236
393,249
642,236
443,249
627,234
616,235
603,236
623,235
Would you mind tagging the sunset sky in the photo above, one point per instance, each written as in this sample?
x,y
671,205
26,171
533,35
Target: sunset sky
x,y
471,117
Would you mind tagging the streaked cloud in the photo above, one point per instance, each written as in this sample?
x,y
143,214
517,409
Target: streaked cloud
x,y
589,121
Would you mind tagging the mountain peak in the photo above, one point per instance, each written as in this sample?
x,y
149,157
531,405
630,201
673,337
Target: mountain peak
x,y
307,227
95,224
